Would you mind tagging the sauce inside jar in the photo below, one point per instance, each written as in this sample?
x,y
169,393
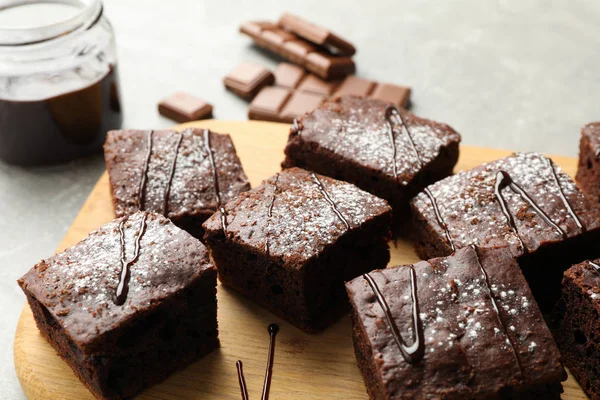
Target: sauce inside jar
x,y
58,96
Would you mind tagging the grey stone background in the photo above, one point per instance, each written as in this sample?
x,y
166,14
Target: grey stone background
x,y
520,74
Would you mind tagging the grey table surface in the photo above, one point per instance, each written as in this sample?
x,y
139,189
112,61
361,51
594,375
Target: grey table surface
x,y
520,75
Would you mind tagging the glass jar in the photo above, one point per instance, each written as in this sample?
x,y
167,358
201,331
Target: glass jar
x,y
59,89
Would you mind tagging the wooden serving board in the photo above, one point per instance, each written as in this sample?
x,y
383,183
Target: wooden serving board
x,y
306,366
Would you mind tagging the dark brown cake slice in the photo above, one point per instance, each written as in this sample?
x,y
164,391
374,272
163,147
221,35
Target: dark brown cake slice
x,y
523,201
184,175
461,327
291,243
577,325
127,306
588,170
382,149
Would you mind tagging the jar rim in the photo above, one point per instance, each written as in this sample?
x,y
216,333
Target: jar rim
x,y
90,11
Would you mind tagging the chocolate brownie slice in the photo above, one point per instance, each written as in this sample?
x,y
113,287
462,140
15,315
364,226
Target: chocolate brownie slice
x,y
185,176
291,243
461,327
588,170
382,149
127,306
523,201
577,326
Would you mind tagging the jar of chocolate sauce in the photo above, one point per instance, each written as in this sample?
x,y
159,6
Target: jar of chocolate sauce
x,y
59,89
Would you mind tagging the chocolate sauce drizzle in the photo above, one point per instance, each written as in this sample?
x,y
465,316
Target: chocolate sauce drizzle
x,y
273,330
171,174
213,165
415,352
125,274
562,195
242,380
496,309
329,200
144,177
439,218
390,112
595,266
270,212
503,180
270,209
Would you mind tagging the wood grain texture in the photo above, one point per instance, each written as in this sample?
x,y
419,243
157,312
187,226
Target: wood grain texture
x,y
306,366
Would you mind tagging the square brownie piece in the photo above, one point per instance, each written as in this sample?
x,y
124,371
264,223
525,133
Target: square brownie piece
x,y
461,327
185,175
523,201
291,243
577,325
588,170
127,306
382,149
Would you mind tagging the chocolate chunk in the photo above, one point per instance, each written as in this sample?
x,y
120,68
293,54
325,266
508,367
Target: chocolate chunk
x,y
316,34
268,103
298,92
398,95
275,38
256,27
289,75
183,107
299,104
314,84
328,66
297,50
293,48
247,79
281,104
356,86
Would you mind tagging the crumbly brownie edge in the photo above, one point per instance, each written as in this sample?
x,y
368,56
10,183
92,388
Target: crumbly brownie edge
x,y
364,356
427,241
575,331
588,170
59,342
193,223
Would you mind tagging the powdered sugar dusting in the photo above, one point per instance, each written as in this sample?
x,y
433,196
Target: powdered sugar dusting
x,y
192,188
358,130
469,208
306,223
302,221
461,326
78,286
